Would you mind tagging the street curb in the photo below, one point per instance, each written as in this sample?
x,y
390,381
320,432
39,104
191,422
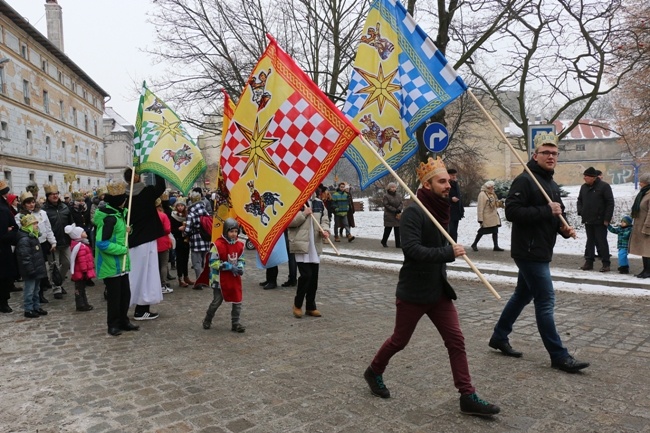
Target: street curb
x,y
641,284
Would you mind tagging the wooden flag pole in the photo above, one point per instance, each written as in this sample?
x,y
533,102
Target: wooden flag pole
x,y
506,141
431,217
328,238
128,217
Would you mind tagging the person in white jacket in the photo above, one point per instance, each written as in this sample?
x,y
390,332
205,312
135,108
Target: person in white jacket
x,y
46,235
305,241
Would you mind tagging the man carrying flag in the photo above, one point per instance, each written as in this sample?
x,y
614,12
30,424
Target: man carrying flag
x,y
160,146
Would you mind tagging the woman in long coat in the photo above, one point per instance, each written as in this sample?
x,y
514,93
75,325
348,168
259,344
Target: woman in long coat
x,y
487,215
8,230
392,212
640,238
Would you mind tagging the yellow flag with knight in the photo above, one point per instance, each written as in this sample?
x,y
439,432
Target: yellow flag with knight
x,y
284,138
162,145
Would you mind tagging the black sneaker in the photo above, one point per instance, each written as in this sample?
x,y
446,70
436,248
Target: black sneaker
x,y
145,316
569,364
289,283
31,314
376,383
471,404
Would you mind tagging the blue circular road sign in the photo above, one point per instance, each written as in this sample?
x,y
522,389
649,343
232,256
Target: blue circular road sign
x,y
436,137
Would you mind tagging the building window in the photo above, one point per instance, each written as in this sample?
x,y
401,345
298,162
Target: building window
x,y
50,178
23,52
26,92
46,102
65,152
88,181
86,122
44,65
7,174
61,110
74,87
60,77
580,147
2,80
48,147
74,116
95,126
28,136
85,94
4,130
31,175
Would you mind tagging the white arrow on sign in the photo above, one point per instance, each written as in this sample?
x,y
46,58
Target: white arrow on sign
x,y
440,135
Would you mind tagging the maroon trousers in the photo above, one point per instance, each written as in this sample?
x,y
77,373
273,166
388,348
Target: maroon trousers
x,y
444,317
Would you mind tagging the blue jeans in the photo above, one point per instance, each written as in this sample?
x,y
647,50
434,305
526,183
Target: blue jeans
x,y
622,257
533,284
31,301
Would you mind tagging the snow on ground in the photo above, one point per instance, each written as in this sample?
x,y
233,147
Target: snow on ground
x,y
369,224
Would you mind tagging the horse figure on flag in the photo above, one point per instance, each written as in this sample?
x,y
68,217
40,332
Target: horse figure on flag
x,y
373,38
379,137
156,107
180,156
260,202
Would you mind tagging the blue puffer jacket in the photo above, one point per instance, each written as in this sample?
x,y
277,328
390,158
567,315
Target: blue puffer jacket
x,y
31,263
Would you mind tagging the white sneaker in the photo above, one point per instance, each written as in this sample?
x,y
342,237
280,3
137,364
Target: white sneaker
x,y
167,289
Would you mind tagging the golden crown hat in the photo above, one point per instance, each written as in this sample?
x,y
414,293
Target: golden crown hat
x,y
548,139
158,202
3,184
430,169
116,188
50,188
77,196
165,196
101,190
26,196
28,220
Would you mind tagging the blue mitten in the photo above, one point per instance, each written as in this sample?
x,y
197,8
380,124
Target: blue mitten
x,y
225,266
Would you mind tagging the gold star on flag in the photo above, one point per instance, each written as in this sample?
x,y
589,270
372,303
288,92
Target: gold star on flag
x,y
379,88
167,128
256,153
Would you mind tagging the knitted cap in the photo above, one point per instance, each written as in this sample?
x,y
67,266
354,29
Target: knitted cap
x,y
73,231
627,220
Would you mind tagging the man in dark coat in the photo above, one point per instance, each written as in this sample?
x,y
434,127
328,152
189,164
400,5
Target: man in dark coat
x,y
596,207
146,227
8,231
423,289
535,226
60,216
456,202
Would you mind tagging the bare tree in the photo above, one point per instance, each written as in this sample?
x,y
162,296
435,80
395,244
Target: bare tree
x,y
633,101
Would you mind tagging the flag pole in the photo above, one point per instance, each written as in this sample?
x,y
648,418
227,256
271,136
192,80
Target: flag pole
x,y
328,238
431,217
128,217
506,141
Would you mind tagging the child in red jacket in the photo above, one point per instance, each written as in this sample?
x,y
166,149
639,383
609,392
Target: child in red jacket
x,y
82,265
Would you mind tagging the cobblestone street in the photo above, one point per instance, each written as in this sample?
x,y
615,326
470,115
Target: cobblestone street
x,y
63,373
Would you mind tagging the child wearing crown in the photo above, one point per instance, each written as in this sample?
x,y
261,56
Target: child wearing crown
x,y
31,265
112,258
82,267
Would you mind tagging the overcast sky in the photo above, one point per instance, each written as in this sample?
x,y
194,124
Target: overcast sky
x,y
105,39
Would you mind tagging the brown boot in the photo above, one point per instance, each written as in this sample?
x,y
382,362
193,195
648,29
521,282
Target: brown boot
x,y
350,238
588,266
188,281
337,239
182,283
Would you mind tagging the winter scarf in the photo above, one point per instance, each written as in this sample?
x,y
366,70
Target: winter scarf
x,y
31,230
438,206
179,217
636,207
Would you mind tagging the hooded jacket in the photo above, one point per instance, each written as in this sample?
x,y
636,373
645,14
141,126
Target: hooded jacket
x,y
111,247
31,263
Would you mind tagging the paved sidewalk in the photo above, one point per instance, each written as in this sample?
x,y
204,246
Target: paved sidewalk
x,y
63,373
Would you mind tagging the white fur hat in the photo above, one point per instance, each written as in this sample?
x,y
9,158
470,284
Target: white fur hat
x,y
74,232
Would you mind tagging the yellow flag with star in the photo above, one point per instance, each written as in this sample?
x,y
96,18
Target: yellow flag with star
x,y
161,144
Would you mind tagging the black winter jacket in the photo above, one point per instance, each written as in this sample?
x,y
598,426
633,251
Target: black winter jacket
x,y
596,203
423,277
145,222
60,216
31,263
534,228
8,230
457,209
